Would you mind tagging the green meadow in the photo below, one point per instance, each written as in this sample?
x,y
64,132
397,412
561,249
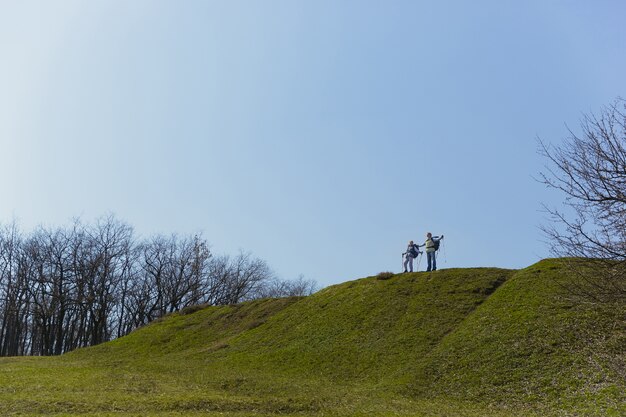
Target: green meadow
x,y
456,342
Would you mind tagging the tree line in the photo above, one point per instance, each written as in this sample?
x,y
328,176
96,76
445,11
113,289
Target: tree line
x,y
62,288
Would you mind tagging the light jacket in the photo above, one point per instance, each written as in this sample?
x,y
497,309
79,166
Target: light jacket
x,y
430,243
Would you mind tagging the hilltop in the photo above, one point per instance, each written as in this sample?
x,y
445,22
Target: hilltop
x,y
458,342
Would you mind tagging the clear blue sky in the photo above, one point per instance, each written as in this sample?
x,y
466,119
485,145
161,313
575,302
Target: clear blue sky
x,y
320,135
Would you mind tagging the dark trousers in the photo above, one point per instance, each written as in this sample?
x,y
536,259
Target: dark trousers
x,y
432,261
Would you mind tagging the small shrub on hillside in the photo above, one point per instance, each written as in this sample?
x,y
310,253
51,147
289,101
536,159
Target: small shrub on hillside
x,y
255,323
192,309
384,275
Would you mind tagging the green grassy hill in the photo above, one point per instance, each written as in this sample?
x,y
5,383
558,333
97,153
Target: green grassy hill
x,y
458,342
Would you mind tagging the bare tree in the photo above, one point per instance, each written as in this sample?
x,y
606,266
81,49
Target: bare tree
x,y
184,283
232,280
590,170
111,239
51,289
172,276
14,300
277,288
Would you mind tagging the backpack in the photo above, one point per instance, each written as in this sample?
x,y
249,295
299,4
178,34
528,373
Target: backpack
x,y
436,242
413,252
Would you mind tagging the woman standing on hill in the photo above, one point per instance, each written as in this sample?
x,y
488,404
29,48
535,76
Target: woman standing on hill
x,y
411,253
432,244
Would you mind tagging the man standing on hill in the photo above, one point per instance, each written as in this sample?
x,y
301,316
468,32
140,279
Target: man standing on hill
x,y
432,244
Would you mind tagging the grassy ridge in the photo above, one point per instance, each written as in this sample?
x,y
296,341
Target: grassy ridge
x,y
459,342
530,344
365,330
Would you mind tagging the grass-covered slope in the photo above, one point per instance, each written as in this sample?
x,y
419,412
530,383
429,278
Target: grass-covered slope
x,y
532,343
365,330
465,342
